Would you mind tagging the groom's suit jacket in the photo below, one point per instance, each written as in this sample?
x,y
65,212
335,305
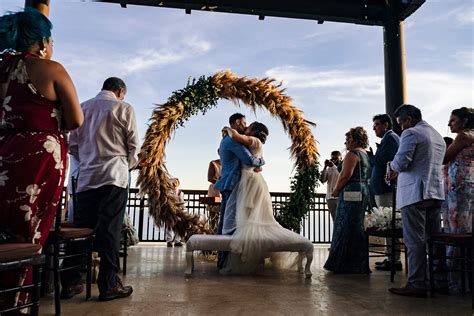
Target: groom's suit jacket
x,y
385,152
232,153
419,162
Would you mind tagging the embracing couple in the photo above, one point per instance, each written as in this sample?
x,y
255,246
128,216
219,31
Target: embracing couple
x,y
246,209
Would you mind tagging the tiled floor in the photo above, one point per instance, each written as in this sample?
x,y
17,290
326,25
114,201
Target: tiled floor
x,y
160,288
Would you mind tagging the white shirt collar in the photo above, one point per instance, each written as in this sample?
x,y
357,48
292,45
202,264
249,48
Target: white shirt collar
x,y
105,94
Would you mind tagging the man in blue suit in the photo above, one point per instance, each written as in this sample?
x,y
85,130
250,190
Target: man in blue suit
x,y
420,191
232,154
382,192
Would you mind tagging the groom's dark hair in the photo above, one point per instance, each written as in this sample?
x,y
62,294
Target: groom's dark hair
x,y
234,117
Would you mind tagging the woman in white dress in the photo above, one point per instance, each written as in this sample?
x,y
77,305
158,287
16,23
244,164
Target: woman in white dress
x,y
257,230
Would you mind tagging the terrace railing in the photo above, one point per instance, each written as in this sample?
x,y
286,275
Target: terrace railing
x,y
316,226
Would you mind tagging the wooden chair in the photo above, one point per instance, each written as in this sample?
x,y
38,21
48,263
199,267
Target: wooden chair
x,y
62,236
18,256
464,242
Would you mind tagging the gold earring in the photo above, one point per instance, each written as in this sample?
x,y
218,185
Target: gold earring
x,y
42,52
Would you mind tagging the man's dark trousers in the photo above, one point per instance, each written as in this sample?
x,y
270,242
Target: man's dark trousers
x,y
102,209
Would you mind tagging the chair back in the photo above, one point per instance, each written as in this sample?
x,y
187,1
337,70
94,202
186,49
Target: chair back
x,y
74,198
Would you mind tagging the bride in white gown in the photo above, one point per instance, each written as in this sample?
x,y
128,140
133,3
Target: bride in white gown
x,y
257,230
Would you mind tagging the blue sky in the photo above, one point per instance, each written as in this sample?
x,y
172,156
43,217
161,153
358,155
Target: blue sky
x,y
334,71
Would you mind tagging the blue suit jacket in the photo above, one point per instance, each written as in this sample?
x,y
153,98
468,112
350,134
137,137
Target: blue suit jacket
x,y
419,161
385,152
232,153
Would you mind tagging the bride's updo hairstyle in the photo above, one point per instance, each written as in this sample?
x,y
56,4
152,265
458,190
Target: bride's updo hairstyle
x,y
260,131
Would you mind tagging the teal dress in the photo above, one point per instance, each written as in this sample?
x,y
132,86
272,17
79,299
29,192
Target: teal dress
x,y
349,249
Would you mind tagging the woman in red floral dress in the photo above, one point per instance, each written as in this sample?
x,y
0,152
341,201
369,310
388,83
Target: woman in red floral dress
x,y
38,102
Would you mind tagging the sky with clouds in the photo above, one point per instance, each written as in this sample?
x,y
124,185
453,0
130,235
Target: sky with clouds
x,y
333,71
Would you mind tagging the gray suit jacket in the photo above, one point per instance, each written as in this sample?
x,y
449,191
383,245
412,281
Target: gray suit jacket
x,y
419,162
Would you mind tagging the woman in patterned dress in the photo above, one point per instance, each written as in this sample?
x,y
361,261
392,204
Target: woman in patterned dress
x,y
38,103
460,159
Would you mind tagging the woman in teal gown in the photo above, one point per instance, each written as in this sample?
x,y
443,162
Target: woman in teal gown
x,y
348,253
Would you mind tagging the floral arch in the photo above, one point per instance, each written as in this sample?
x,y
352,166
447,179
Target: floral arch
x,y
199,96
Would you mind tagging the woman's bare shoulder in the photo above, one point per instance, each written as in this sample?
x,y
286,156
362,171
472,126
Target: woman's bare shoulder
x,y
466,134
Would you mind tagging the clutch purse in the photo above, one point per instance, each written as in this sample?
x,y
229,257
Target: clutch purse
x,y
352,196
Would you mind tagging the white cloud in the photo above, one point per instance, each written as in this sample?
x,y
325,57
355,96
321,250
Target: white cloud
x,y
461,15
126,63
198,45
464,15
331,32
465,58
438,92
435,90
338,85
435,93
156,59
151,59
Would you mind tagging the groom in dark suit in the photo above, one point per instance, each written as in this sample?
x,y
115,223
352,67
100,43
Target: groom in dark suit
x,y
232,154
382,192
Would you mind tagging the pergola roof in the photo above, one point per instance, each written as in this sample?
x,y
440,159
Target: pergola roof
x,y
370,12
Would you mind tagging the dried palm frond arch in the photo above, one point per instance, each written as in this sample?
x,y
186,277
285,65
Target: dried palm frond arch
x,y
199,96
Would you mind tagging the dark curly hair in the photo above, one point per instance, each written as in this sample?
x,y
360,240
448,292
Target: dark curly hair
x,y
465,113
260,131
358,136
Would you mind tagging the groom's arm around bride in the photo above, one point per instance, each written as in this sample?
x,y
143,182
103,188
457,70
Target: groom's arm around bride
x,y
232,155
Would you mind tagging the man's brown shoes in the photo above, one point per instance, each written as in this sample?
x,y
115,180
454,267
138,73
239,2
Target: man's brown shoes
x,y
408,291
119,291
71,290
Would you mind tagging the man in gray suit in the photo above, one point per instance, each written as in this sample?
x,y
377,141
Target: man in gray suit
x,y
418,163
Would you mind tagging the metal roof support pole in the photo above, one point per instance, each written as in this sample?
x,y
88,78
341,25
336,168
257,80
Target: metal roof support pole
x,y
394,61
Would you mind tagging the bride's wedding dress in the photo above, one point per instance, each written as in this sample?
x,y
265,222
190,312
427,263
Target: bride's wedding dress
x,y
257,230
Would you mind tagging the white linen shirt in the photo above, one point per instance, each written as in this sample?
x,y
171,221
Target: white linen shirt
x,y
106,145
330,174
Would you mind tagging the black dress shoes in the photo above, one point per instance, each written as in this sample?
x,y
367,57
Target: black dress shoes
x,y
387,266
381,263
408,291
119,291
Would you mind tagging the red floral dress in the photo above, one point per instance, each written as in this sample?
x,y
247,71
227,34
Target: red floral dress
x,y
32,158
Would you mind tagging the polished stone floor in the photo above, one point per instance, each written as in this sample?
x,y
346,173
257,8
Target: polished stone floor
x,y
160,288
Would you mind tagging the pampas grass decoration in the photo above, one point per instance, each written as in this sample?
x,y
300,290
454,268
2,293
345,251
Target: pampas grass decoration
x,y
154,179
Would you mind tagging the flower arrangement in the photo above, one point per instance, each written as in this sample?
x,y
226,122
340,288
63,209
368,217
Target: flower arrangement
x,y
381,219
